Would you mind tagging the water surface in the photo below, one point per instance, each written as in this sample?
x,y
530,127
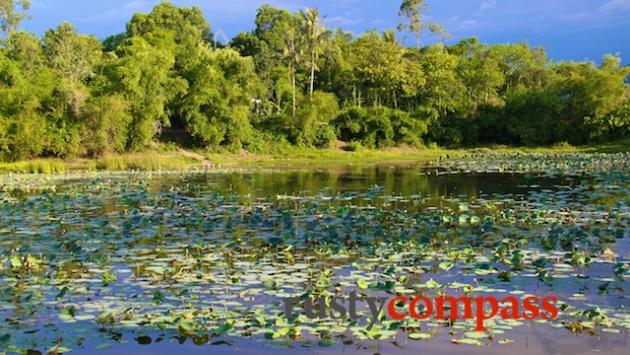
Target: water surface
x,y
198,262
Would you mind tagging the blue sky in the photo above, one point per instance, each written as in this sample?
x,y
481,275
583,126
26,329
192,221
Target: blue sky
x,y
569,29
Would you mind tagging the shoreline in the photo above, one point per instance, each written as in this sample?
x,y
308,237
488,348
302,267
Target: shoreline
x,y
311,158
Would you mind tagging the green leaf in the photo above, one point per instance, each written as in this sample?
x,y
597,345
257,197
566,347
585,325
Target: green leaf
x,y
326,343
420,336
16,262
270,284
62,293
108,278
446,265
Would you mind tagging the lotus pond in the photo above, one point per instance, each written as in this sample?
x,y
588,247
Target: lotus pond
x,y
200,261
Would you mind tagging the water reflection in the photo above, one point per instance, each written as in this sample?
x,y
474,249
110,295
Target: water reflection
x,y
400,180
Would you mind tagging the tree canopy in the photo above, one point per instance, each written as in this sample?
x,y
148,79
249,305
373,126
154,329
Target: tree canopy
x,y
290,80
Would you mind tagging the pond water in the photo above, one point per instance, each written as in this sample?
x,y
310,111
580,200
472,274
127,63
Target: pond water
x,y
132,263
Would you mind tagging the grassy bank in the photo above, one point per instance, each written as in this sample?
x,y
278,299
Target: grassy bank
x,y
308,156
292,156
150,161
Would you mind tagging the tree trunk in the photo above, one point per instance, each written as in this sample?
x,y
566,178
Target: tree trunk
x,y
312,73
293,87
10,32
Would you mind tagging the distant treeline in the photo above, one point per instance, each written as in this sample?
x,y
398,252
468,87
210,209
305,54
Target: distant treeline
x,y
290,81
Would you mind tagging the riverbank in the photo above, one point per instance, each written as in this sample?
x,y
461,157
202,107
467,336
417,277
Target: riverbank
x,y
292,157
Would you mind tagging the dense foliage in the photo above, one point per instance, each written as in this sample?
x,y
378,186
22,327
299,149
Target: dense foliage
x,y
293,81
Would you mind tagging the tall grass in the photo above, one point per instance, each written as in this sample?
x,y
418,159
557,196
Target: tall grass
x,y
164,160
38,166
143,162
308,156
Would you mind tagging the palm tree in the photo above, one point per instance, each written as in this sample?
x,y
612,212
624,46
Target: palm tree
x,y
293,54
413,11
315,34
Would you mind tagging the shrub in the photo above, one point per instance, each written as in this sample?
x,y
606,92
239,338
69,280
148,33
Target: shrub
x,y
267,143
107,121
354,146
378,127
325,137
563,146
26,135
216,109
310,128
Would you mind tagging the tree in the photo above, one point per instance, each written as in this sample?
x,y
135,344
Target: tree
x,y
72,57
11,17
378,127
443,90
336,70
146,81
217,106
24,131
26,49
184,27
292,81
273,47
180,32
314,116
479,72
443,97
293,55
281,45
589,95
521,66
315,34
71,54
412,11
107,121
378,68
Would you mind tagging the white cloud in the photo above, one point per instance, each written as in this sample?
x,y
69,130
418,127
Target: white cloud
x,y
487,5
342,21
615,5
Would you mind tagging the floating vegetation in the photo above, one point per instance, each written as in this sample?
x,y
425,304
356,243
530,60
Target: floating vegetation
x,y
94,260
